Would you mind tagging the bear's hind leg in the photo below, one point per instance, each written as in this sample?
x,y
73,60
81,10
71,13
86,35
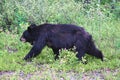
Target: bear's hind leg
x,y
56,52
80,50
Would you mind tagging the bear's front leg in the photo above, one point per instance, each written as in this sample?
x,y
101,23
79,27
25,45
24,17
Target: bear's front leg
x,y
36,49
33,53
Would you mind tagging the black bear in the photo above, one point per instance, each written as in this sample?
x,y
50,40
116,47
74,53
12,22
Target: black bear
x,y
58,36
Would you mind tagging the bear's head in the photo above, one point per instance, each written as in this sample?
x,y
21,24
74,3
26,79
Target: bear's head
x,y
28,35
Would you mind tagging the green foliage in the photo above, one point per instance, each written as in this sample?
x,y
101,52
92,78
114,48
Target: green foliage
x,y
97,19
106,1
15,12
106,37
116,11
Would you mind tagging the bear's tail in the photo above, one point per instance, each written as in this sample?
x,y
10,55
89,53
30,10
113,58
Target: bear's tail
x,y
92,50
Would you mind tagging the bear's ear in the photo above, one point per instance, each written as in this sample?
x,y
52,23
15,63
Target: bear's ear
x,y
31,27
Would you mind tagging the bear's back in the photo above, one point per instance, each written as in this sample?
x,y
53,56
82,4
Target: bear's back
x,y
62,28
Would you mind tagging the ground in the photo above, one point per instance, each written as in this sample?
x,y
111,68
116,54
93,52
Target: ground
x,y
46,73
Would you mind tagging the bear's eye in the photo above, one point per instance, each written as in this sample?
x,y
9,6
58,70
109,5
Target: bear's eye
x,y
26,34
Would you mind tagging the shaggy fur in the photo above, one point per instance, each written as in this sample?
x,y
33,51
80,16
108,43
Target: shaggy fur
x,y
58,36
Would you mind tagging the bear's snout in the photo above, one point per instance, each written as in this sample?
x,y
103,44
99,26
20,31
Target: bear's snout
x,y
22,39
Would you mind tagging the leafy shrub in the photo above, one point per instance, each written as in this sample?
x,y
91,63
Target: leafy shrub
x,y
15,12
116,11
11,16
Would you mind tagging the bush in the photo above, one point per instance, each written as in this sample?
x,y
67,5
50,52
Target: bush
x,y
15,12
116,11
11,15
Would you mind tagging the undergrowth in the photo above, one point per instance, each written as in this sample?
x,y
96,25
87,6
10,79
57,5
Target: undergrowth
x,y
106,38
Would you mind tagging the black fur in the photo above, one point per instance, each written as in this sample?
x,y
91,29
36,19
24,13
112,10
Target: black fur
x,y
58,36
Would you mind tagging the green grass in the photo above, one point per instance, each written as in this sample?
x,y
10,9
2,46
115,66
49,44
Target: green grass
x,y
106,37
104,29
